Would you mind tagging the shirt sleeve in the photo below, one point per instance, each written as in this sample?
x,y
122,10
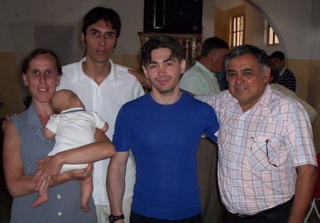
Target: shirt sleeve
x,y
53,123
299,138
122,135
212,124
98,121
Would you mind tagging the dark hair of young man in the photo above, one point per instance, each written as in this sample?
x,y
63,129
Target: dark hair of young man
x,y
161,41
277,55
99,13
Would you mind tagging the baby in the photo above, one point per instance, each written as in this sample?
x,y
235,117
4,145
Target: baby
x,y
72,127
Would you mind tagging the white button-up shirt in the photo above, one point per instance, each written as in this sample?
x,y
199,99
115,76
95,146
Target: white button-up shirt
x,y
106,99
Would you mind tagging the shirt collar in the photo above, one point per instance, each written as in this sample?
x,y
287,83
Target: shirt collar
x,y
113,76
264,100
72,110
202,67
281,72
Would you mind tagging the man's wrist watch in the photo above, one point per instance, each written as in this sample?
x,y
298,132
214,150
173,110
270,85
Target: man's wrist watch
x,y
113,218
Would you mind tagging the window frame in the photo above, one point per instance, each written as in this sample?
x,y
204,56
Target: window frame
x,y
235,38
271,38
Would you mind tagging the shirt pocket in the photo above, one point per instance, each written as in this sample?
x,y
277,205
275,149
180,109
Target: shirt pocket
x,y
264,153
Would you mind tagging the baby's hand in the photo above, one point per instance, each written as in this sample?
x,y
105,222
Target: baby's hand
x,y
105,127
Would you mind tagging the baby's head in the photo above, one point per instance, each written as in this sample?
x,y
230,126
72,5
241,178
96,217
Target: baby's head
x,y
65,99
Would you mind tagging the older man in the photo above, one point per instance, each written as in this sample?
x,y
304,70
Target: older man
x,y
267,163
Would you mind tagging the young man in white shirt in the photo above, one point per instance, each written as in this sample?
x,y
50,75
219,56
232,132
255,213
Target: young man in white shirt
x,y
103,87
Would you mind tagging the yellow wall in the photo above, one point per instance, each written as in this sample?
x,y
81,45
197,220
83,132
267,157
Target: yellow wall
x,y
132,61
314,98
219,23
300,68
10,85
222,21
308,82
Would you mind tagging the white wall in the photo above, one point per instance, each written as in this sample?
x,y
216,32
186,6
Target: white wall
x,y
66,12
292,20
208,18
294,32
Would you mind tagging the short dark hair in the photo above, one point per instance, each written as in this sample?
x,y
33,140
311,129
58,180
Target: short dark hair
x,y
211,44
277,55
161,41
240,50
38,51
101,13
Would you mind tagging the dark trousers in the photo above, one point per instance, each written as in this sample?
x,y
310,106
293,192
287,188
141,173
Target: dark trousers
x,y
207,156
137,218
278,214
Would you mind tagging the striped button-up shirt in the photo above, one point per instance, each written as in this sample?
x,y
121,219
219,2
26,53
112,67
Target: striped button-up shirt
x,y
259,150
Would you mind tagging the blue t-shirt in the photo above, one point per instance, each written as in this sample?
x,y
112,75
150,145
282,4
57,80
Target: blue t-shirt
x,y
164,140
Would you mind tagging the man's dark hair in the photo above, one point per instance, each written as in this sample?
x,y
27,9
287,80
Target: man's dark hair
x,y
241,50
161,41
211,44
277,55
38,51
99,13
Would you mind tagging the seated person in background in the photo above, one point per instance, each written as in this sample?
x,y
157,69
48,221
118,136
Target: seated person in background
x,y
286,77
72,127
274,74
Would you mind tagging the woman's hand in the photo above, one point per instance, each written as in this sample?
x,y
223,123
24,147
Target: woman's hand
x,y
81,174
48,170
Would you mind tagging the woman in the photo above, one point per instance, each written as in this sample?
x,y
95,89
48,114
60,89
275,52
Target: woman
x,y
25,145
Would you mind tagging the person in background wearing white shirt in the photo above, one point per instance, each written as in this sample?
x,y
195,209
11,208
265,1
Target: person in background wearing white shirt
x,y
103,87
274,74
200,79
267,162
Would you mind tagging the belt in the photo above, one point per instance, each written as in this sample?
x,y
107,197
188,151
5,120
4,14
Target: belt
x,y
289,202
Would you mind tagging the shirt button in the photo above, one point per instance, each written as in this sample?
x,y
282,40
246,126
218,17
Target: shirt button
x,y
59,196
60,213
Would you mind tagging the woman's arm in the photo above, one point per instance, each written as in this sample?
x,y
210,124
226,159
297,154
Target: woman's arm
x,y
18,183
50,167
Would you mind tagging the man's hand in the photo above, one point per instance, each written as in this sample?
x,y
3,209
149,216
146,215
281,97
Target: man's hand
x,y
6,119
140,76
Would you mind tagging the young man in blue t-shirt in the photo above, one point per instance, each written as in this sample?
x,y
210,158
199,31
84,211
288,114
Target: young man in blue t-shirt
x,y
163,129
